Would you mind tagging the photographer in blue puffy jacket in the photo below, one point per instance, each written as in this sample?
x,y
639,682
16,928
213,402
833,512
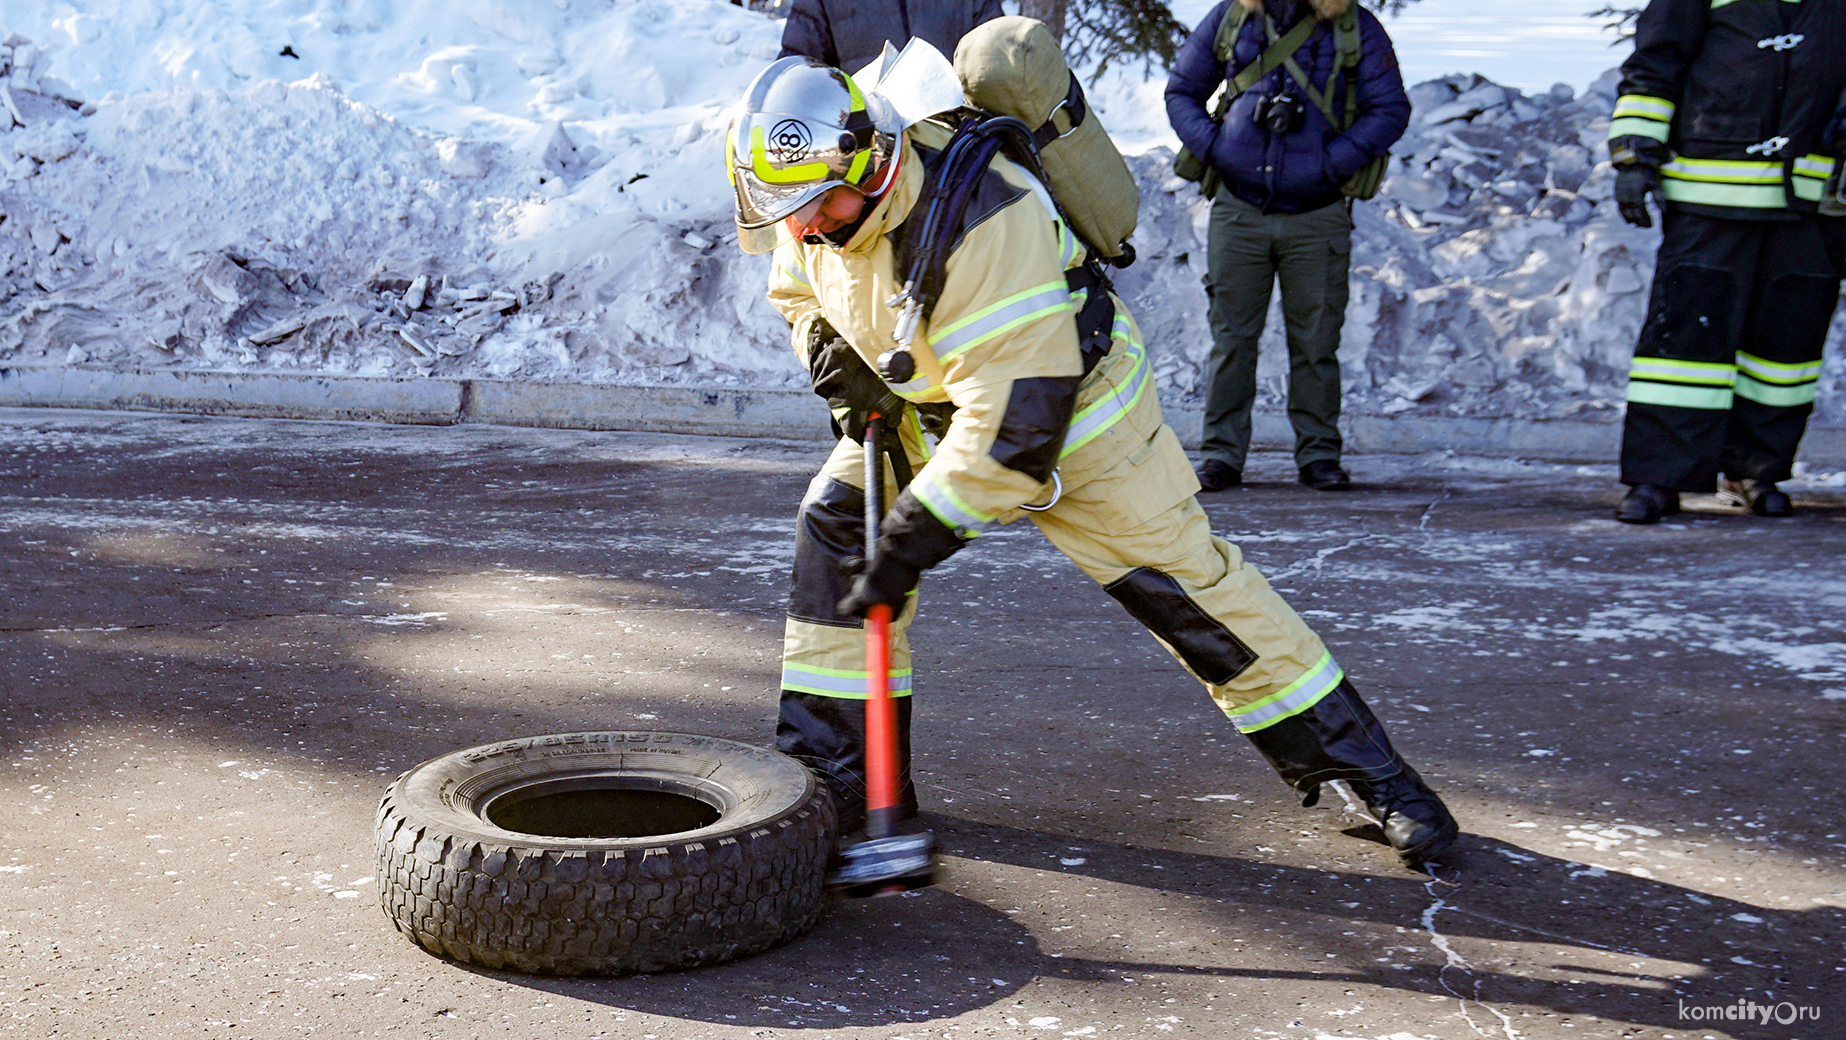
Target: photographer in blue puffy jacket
x,y
1279,212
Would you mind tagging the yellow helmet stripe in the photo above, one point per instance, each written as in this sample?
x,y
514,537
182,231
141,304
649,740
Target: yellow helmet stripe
x,y
759,164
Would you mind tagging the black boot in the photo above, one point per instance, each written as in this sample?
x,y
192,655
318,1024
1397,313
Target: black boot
x,y
1415,821
1340,739
827,734
1646,504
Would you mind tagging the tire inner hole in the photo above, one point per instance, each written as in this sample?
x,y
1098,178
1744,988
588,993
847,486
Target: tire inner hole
x,y
598,808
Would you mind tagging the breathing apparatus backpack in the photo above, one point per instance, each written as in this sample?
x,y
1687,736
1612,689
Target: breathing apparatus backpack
x,y
1024,102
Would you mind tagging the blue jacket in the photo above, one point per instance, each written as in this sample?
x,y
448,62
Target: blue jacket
x,y
1301,170
849,34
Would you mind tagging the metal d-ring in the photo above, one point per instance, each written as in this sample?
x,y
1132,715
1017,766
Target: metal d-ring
x,y
1057,492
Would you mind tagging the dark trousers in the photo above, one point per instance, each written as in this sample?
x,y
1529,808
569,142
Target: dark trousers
x,y
1728,360
1248,252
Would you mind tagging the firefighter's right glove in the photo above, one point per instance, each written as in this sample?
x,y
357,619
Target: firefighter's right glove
x,y
853,391
1637,175
910,541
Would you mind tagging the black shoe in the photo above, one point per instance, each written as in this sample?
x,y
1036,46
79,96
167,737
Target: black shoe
x,y
1326,475
1760,497
1646,504
1218,476
1415,821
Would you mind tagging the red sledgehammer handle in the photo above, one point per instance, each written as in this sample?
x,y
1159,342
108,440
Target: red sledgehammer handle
x,y
880,715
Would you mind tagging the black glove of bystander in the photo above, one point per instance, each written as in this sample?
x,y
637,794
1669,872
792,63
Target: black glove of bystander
x,y
1633,184
910,541
853,391
1637,175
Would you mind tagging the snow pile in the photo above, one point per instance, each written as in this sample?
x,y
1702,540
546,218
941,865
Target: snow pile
x,y
536,192
542,203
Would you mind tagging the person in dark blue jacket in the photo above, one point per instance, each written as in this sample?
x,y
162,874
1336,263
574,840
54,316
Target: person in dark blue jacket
x,y
1279,213
849,34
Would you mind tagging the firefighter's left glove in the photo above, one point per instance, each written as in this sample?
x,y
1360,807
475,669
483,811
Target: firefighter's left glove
x,y
910,541
1633,184
852,390
1637,175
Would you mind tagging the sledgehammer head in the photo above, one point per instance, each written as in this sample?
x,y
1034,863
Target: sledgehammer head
x,y
885,866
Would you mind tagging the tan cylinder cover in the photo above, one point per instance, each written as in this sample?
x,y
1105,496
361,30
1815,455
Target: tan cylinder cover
x,y
1012,66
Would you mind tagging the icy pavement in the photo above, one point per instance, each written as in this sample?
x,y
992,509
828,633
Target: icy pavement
x,y
219,639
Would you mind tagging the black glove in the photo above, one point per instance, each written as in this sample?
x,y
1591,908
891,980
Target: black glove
x,y
1637,175
1633,184
852,390
910,541
887,581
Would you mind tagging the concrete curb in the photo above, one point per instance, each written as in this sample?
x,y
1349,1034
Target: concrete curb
x,y
782,413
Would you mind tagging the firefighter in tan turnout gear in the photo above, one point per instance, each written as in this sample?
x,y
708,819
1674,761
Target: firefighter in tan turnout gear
x,y
1724,117
1026,422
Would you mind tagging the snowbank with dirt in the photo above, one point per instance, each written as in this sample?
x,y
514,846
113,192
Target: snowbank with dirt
x,y
535,192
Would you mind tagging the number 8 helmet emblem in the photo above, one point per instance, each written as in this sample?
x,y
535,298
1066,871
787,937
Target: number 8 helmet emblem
x,y
790,140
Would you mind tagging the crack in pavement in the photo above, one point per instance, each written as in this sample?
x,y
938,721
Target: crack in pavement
x,y
1317,560
1456,961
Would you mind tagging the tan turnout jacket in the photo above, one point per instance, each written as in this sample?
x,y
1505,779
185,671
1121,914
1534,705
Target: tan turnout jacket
x,y
1005,313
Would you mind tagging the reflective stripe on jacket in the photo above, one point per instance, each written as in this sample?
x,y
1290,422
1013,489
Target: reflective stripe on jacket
x,y
1741,90
1006,313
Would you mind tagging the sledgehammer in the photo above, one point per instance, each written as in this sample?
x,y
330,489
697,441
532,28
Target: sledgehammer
x,y
886,862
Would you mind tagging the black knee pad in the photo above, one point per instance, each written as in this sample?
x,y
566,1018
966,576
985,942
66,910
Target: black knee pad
x,y
1793,318
1212,651
1691,314
830,527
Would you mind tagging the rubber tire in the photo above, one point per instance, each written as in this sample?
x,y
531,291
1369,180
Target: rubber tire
x,y
465,888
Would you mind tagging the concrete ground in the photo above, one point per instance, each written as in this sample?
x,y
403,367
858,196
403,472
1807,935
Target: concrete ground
x,y
220,639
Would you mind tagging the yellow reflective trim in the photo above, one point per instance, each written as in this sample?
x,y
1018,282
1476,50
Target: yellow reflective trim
x,y
1817,166
730,159
1743,196
1702,373
842,683
1001,317
1290,700
1809,189
1723,171
1094,421
1768,371
792,267
1776,396
948,507
1635,126
859,163
1644,107
759,165
1675,396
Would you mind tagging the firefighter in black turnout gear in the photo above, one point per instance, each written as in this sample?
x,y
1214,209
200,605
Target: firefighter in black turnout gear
x,y
1723,117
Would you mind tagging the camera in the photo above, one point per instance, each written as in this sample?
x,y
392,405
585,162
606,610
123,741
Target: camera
x,y
1279,113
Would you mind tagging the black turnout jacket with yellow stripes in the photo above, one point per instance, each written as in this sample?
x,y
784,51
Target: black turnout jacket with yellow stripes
x,y
1741,91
